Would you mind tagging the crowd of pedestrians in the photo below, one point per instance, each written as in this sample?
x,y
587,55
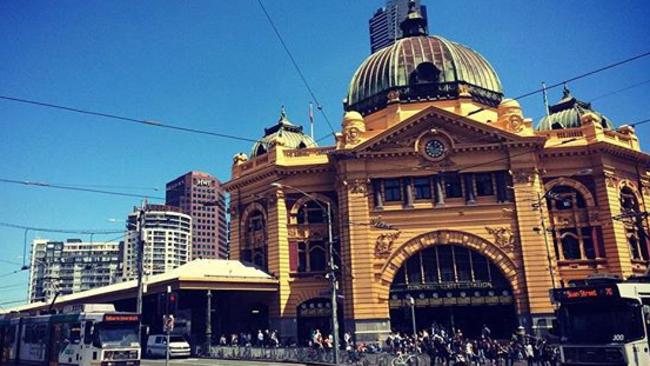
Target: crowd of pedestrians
x,y
447,347
263,338
451,347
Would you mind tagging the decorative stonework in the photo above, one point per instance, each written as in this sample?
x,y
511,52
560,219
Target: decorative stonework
x,y
443,165
239,158
384,244
611,179
503,237
393,96
524,176
357,186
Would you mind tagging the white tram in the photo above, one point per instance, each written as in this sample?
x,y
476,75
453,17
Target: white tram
x,y
84,335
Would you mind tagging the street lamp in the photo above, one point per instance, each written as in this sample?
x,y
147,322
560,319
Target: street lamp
x,y
411,302
331,275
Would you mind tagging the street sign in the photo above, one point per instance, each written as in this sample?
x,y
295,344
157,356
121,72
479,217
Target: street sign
x,y
168,323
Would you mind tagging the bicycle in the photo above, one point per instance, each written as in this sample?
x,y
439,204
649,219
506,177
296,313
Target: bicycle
x,y
405,359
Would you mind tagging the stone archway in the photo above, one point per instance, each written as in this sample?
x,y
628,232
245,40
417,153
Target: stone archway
x,y
510,296
497,255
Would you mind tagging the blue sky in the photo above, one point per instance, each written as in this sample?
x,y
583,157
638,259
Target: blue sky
x,y
216,65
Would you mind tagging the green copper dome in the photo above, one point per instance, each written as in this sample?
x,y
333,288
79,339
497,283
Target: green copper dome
x,y
568,112
419,67
282,133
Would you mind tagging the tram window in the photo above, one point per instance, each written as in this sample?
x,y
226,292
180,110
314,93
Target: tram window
x,y
71,332
35,333
484,185
88,332
422,188
453,188
446,264
392,190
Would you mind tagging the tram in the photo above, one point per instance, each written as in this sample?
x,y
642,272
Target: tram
x,y
83,335
604,322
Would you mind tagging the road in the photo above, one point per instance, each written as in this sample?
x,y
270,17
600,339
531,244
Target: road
x,y
212,362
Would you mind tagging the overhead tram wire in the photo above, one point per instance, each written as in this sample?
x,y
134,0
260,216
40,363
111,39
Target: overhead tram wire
x,y
62,231
72,188
297,67
635,85
127,119
239,138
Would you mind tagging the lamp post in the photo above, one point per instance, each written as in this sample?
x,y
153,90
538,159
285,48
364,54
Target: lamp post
x,y
331,275
411,301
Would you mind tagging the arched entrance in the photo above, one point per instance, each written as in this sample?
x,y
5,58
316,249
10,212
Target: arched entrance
x,y
455,287
315,314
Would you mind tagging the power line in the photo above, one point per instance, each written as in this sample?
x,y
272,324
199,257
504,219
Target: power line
x,y
126,119
295,65
10,262
64,231
10,273
71,188
581,76
619,90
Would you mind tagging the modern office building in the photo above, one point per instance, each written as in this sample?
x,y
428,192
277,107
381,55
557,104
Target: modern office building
x,y
384,26
201,196
167,234
71,266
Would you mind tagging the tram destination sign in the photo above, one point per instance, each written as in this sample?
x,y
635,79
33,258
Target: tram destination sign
x,y
121,318
584,294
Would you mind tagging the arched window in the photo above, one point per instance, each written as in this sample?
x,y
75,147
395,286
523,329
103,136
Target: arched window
x,y
261,150
577,240
635,230
255,244
565,198
311,213
570,244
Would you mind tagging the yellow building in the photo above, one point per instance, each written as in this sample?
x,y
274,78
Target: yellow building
x,y
485,213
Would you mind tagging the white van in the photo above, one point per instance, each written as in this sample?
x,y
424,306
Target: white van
x,y
157,346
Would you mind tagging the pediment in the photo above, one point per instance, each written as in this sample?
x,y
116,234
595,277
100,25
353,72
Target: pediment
x,y
464,133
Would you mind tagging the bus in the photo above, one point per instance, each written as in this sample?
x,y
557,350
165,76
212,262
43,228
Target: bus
x,y
604,322
83,335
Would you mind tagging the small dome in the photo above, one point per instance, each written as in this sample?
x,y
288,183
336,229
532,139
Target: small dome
x,y
568,112
282,133
420,67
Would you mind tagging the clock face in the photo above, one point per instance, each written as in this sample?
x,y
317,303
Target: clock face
x,y
435,149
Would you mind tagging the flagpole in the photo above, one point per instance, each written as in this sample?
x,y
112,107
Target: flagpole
x,y
311,120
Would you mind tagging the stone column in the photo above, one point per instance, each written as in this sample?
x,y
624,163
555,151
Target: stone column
x,y
408,192
537,279
377,194
278,261
470,195
617,249
438,190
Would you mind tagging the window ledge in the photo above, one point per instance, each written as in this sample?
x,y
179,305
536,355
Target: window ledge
x,y
314,274
581,262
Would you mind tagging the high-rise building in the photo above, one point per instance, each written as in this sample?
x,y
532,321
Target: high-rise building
x,y
384,26
167,240
200,195
71,266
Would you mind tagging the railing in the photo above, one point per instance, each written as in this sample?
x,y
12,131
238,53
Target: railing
x,y
312,356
